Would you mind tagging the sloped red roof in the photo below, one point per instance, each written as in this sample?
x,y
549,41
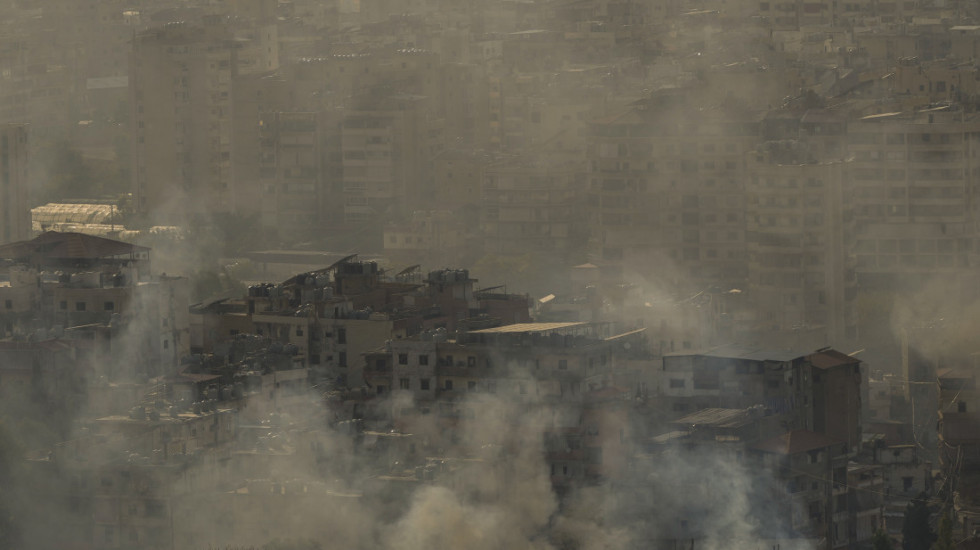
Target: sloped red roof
x,y
828,359
797,441
68,246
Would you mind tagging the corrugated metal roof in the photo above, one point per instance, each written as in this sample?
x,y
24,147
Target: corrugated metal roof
x,y
736,351
797,441
830,358
52,213
718,418
527,327
69,246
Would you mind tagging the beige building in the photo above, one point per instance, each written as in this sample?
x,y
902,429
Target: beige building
x,y
668,189
910,180
799,228
181,91
296,190
533,205
386,150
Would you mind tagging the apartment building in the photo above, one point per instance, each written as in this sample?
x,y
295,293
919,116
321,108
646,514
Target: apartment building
x,y
801,275
180,101
88,286
564,369
910,180
818,392
668,189
15,213
533,206
181,92
432,237
814,470
295,188
386,150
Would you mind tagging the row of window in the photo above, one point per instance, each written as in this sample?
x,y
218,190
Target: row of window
x,y
425,384
82,306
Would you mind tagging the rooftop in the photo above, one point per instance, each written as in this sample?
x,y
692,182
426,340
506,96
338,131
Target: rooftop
x,y
528,328
53,245
797,441
828,359
737,351
718,418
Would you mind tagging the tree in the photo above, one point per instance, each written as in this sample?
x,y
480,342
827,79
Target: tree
x,y
945,539
917,534
881,541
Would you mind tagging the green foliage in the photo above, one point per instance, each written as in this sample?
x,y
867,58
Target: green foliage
x,y
881,541
917,534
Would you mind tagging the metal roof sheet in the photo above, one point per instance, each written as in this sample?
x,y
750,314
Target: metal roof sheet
x,y
528,327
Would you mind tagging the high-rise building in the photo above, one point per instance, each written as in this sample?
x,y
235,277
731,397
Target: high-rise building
x,y
667,189
911,180
296,196
181,97
15,213
798,231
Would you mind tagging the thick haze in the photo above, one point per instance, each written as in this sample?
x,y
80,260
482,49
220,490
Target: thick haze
x,y
763,178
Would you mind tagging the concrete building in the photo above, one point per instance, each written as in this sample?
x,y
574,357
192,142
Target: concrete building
x,y
667,190
819,392
533,206
68,281
909,181
799,227
181,91
296,188
814,468
386,151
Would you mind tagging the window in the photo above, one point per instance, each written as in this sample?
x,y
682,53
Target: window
x,y
471,385
402,358
341,336
79,306
404,383
676,382
63,304
448,385
9,304
381,390
154,508
562,364
342,361
424,384
423,360
471,361
299,330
